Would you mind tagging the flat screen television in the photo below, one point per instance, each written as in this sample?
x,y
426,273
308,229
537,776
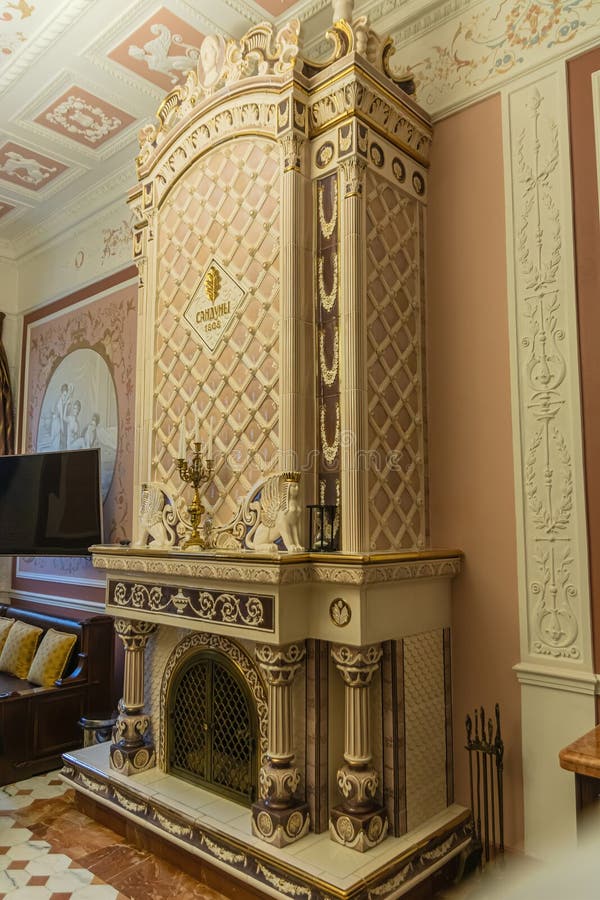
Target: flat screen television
x,y
50,503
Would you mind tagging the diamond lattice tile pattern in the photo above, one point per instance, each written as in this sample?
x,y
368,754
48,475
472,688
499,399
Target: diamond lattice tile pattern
x,y
227,208
49,850
425,724
394,361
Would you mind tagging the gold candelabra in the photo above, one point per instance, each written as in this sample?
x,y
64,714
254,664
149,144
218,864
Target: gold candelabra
x,y
195,473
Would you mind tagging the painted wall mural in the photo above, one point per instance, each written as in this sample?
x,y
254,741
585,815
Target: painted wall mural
x,y
79,385
486,43
15,16
79,410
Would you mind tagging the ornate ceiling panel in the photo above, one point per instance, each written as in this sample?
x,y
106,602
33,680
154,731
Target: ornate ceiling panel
x,y
160,50
78,78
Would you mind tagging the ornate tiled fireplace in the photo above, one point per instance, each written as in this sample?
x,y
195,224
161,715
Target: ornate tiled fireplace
x,y
286,712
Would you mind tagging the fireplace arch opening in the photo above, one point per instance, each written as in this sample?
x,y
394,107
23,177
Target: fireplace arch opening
x,y
212,727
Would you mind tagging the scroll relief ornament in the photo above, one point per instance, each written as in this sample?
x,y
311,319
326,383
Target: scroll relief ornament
x,y
261,51
357,36
548,467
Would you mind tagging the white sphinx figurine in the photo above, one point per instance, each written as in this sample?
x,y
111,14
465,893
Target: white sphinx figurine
x,y
279,514
156,519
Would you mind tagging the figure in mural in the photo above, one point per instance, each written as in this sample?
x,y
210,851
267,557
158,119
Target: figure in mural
x,y
72,426
90,432
84,385
58,428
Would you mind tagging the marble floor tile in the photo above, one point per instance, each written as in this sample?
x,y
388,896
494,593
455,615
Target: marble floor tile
x,y
49,850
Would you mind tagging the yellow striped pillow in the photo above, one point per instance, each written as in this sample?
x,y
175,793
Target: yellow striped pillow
x,y
51,658
5,626
19,648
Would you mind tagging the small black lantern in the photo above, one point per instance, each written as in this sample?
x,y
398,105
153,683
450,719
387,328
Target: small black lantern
x,y
321,527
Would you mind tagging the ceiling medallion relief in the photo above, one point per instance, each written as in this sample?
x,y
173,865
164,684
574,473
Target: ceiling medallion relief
x,y
26,168
214,304
84,117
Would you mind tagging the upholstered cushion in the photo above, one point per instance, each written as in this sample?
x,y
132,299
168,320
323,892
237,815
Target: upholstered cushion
x,y
5,626
51,657
19,648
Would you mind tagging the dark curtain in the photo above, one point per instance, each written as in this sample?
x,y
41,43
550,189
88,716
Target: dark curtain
x,y
7,432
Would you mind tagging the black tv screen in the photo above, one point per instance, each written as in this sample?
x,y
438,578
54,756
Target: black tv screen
x,y
50,503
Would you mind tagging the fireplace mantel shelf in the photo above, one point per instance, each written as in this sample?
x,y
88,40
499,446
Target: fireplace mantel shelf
x,y
279,597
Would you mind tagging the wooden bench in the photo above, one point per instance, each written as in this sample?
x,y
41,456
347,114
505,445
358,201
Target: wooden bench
x,y
38,724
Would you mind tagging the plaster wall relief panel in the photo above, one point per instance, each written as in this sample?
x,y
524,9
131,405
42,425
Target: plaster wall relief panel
x,y
217,348
425,726
461,51
88,254
551,523
397,516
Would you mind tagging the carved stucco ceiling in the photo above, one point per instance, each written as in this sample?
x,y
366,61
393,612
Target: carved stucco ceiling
x,y
79,77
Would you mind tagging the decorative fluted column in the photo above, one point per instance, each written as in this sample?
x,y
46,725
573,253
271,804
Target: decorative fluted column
x,y
359,821
295,378
131,751
353,357
278,817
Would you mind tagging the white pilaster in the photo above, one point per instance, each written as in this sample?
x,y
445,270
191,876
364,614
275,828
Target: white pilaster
x,y
554,601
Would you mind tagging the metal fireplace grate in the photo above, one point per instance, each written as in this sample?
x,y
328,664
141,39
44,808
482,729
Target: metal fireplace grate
x,y
212,735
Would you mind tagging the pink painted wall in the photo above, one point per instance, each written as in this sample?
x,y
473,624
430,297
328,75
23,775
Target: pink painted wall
x,y
470,430
587,263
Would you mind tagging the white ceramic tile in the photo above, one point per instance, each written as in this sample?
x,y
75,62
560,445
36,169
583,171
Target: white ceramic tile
x,y
332,858
29,892
147,777
28,850
94,892
7,802
50,862
243,824
188,794
11,879
69,880
223,811
16,836
304,843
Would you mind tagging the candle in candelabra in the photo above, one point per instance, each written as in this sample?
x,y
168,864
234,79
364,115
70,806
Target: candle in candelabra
x,y
210,439
182,439
197,429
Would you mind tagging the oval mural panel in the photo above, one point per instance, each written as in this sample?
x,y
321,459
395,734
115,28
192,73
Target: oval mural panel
x,y
79,410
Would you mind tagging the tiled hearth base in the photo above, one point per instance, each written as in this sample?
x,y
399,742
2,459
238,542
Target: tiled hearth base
x,y
218,832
